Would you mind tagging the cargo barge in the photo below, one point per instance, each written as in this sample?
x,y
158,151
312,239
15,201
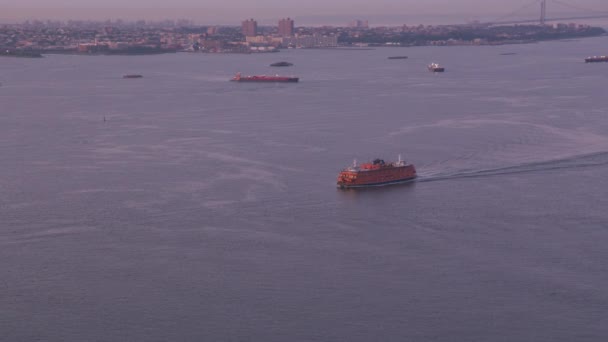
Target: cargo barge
x,y
281,64
264,78
596,59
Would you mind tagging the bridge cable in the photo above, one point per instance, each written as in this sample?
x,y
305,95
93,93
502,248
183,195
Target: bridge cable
x,y
535,3
579,8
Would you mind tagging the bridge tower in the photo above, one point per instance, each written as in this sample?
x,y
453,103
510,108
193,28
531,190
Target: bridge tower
x,y
543,12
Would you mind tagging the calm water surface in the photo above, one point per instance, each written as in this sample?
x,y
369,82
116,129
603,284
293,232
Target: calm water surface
x,y
204,210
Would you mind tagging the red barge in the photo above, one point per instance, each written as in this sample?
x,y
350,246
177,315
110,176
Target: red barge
x,y
376,173
263,78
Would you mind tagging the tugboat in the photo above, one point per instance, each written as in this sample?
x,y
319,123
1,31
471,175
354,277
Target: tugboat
x,y
132,76
596,59
376,173
434,67
281,64
263,78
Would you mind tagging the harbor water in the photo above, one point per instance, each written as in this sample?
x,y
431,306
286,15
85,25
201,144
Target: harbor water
x,y
184,207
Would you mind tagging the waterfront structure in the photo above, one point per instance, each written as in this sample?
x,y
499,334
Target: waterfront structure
x,y
269,40
249,28
93,48
286,27
126,38
313,41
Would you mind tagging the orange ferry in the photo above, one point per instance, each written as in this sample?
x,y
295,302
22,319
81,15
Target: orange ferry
x,y
376,173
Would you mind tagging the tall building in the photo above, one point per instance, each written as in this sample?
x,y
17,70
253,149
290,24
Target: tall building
x,y
286,27
359,24
250,28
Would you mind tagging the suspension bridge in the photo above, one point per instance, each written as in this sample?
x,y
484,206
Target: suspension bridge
x,y
575,13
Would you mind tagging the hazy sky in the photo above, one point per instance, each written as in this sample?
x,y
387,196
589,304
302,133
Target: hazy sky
x,y
232,11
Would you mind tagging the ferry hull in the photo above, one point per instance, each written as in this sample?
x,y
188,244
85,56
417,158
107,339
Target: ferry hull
x,y
370,185
377,174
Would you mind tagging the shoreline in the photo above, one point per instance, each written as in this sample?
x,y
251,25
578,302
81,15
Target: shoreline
x,y
13,53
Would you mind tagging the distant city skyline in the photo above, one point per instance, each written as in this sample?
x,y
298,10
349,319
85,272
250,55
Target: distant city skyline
x,y
267,12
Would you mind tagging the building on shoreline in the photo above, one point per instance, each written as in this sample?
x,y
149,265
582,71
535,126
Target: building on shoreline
x,y
286,27
249,28
260,40
312,41
129,38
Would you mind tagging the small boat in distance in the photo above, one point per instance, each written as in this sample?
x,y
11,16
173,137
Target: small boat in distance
x,y
596,59
434,67
264,78
132,76
281,64
376,173
508,54
397,57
